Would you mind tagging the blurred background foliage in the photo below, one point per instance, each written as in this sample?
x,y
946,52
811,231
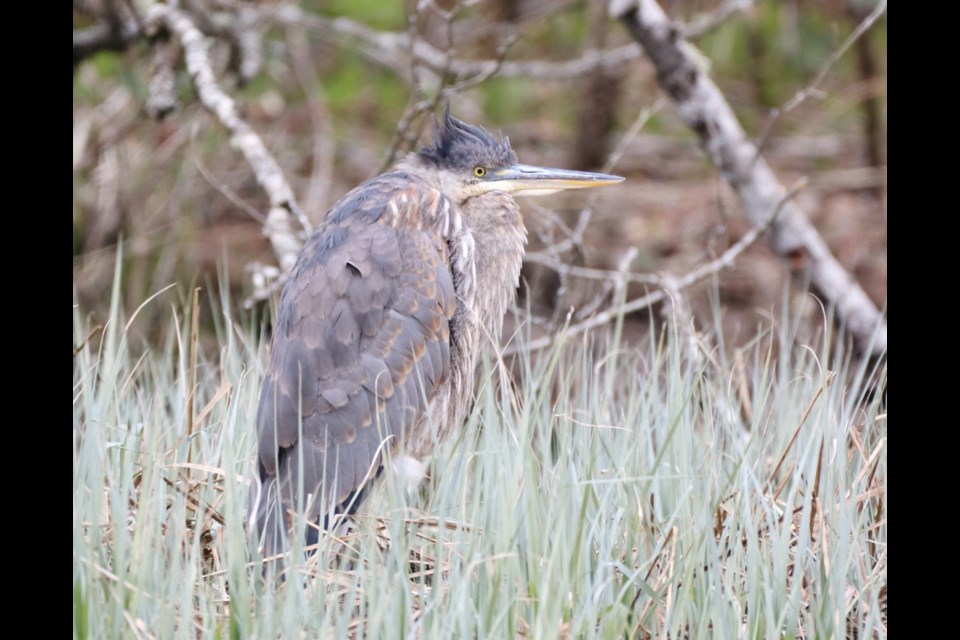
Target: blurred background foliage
x,y
186,207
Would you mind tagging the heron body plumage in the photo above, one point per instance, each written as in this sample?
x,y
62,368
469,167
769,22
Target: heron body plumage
x,y
382,319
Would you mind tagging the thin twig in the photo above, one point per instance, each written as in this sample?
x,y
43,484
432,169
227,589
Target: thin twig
x,y
861,29
725,261
679,312
317,194
229,193
393,50
713,267
707,22
823,385
811,88
77,349
606,275
575,239
502,49
247,41
416,108
162,92
618,282
419,102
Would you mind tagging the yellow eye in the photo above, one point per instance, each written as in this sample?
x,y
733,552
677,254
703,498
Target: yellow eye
x,y
479,172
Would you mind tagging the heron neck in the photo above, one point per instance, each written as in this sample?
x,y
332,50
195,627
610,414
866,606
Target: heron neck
x,y
486,257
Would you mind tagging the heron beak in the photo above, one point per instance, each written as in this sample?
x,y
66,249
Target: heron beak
x,y
527,180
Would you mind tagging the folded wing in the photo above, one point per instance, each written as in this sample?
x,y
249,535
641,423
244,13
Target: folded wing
x,y
360,347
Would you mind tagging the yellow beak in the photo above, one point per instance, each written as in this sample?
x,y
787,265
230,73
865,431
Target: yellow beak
x,y
528,180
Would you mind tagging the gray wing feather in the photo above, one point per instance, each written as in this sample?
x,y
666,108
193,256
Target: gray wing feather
x,y
360,347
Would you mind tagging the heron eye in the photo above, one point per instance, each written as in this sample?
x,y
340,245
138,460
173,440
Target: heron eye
x,y
479,172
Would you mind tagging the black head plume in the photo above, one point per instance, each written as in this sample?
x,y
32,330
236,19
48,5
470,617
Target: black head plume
x,y
458,145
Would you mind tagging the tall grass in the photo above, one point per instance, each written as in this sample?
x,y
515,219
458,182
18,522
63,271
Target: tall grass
x,y
597,490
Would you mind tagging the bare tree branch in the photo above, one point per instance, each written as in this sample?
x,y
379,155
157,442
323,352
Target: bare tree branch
x,y
550,256
429,104
705,110
398,51
239,24
548,260
246,38
316,196
575,239
103,37
229,193
279,227
421,101
705,23
679,312
590,61
725,261
673,284
162,91
394,50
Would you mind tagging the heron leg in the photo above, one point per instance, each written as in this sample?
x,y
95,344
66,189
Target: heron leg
x,y
348,507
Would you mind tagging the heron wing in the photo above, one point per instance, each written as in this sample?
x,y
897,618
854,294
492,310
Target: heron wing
x,y
361,343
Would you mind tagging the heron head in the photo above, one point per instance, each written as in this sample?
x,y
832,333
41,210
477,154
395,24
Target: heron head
x,y
470,162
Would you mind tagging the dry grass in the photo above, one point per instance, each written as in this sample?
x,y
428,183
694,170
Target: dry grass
x,y
601,489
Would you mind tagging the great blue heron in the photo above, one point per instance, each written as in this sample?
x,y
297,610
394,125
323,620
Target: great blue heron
x,y
382,319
